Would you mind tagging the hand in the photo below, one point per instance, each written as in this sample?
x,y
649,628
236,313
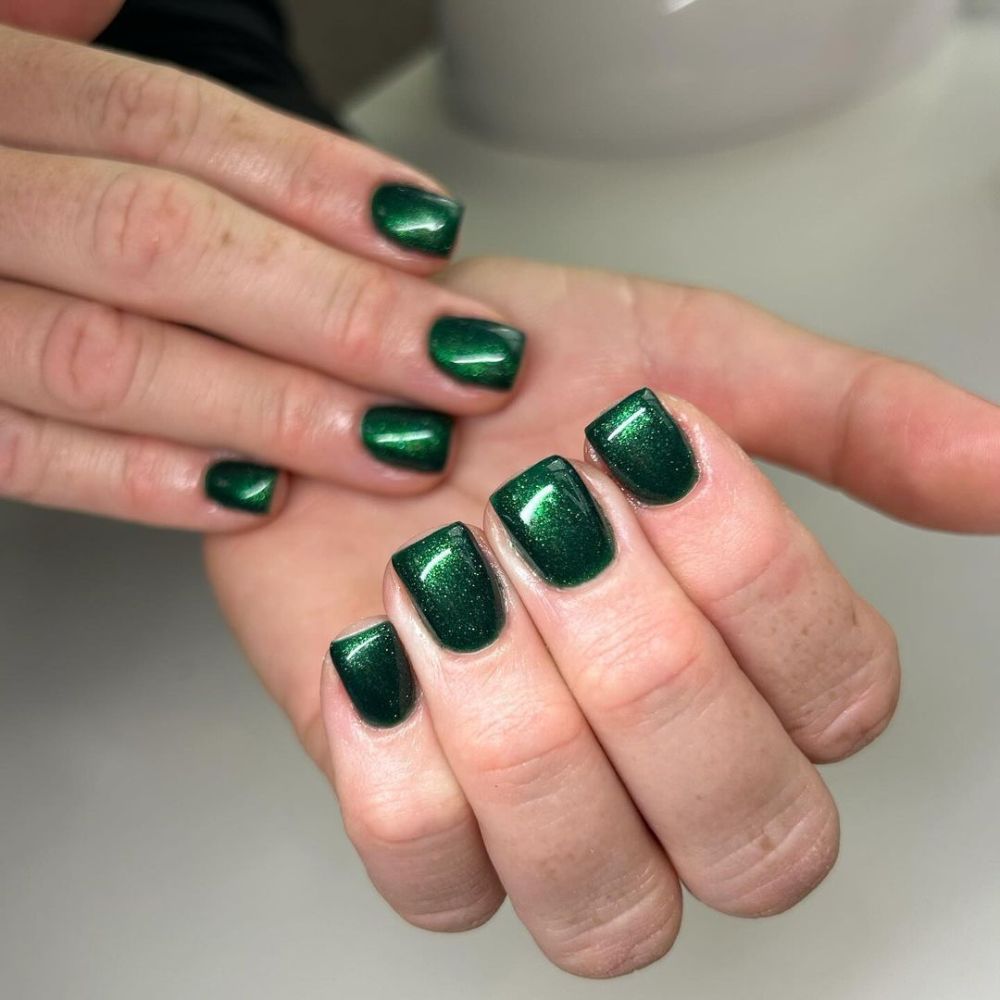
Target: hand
x,y
712,756
186,276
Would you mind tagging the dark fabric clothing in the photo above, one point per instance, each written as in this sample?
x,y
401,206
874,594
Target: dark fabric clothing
x,y
243,43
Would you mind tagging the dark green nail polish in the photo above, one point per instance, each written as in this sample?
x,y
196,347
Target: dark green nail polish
x,y
556,523
241,486
417,219
411,439
478,351
376,674
644,449
454,588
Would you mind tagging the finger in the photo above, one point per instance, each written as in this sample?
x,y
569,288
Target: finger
x,y
744,817
71,99
90,364
580,867
53,464
822,656
169,247
887,431
402,807
890,433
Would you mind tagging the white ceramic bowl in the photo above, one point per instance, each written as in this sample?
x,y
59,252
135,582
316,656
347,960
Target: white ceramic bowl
x,y
606,77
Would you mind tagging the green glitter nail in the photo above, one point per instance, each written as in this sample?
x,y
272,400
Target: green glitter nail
x,y
454,588
241,486
417,219
645,449
478,351
376,674
556,523
412,439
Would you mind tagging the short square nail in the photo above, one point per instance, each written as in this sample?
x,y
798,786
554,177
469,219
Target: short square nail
x,y
645,450
241,486
417,219
408,438
555,522
477,351
454,588
376,674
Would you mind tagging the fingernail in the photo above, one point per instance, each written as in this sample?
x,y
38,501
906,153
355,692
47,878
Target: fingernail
x,y
556,523
417,219
645,449
454,588
376,674
476,350
241,486
411,439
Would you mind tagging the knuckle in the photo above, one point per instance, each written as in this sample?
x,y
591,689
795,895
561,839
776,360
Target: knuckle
x,y
528,755
144,219
861,707
417,823
638,931
149,113
355,315
89,358
142,474
314,161
650,680
19,476
295,418
779,863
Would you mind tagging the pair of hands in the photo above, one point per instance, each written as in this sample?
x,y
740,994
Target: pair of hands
x,y
658,721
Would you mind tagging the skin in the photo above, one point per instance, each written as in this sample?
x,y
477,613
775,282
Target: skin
x,y
658,722
145,208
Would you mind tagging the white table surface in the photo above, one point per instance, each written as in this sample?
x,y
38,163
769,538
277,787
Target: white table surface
x,y
161,834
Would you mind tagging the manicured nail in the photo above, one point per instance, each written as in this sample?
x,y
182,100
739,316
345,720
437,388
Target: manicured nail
x,y
376,674
556,523
645,449
454,588
411,439
241,486
478,351
417,219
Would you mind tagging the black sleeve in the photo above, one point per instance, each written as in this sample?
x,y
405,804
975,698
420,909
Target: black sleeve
x,y
243,43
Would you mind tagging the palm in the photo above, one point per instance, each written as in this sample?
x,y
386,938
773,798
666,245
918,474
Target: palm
x,y
290,586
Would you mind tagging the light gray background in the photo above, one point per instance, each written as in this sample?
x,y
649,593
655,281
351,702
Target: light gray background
x,y
161,834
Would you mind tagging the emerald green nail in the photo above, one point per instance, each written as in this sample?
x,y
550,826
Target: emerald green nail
x,y
376,674
645,449
556,523
476,350
454,588
417,219
241,486
411,439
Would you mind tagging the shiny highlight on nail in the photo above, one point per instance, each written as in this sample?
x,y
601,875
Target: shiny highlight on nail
x,y
376,674
454,588
408,438
241,486
556,523
645,449
477,351
417,219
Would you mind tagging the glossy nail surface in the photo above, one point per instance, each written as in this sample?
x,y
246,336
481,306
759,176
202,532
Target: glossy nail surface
x,y
408,438
556,523
645,449
241,486
376,674
454,588
477,351
417,219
